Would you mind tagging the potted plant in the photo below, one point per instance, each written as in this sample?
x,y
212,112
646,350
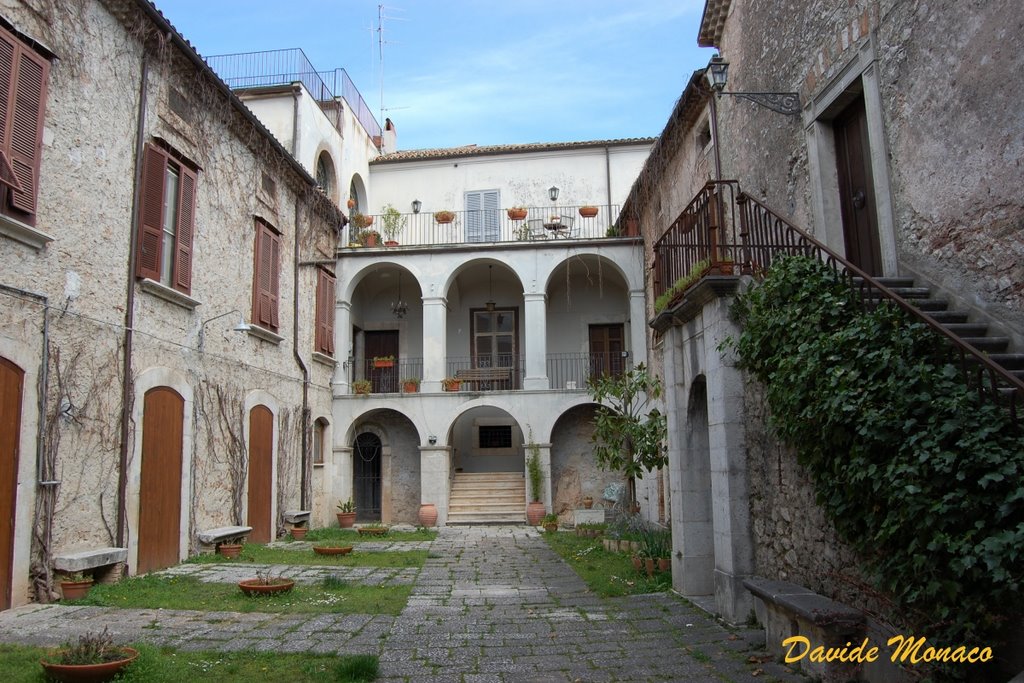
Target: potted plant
x,y
92,658
444,216
383,361
549,522
299,532
588,502
229,550
346,514
369,238
372,529
411,385
392,222
427,516
535,510
517,213
75,586
359,221
451,383
362,386
351,204
588,211
266,583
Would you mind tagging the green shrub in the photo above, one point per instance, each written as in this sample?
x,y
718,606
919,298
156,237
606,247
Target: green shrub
x,y
916,475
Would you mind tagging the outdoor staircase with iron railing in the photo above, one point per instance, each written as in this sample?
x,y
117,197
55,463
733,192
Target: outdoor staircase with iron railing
x,y
487,498
736,234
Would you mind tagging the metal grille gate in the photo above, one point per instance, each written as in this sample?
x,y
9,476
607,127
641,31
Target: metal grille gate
x,y
367,477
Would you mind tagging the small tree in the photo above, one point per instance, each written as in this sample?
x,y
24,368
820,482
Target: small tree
x,y
627,436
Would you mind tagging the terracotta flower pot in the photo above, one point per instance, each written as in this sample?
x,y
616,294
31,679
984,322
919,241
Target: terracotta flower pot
x,y
588,502
229,550
410,387
517,214
664,564
534,512
372,530
390,243
90,673
444,217
649,566
428,515
299,532
75,590
332,550
638,562
346,519
588,211
258,587
551,527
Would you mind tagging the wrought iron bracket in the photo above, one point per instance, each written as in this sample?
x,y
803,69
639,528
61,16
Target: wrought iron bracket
x,y
787,103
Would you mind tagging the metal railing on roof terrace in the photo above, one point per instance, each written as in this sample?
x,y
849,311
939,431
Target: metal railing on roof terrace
x,y
282,67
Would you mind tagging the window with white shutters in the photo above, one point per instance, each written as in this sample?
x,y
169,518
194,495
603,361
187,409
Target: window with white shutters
x,y
483,223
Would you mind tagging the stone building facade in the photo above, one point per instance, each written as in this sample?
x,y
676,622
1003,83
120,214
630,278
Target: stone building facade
x,y
918,97
134,414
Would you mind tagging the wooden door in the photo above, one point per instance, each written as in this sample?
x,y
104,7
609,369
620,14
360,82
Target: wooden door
x,y
856,190
261,464
380,344
495,336
606,348
163,418
12,378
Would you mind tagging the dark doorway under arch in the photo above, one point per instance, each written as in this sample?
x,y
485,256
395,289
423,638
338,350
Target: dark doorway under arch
x,y
366,464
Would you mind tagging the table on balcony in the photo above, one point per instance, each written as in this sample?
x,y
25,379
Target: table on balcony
x,y
559,229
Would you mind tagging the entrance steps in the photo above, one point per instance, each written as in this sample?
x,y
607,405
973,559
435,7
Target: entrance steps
x,y
487,498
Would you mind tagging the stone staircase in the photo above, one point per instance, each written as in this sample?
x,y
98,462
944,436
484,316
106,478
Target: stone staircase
x,y
487,498
996,347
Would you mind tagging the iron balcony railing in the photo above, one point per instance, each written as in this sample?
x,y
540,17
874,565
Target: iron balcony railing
x,y
540,224
504,372
736,234
282,67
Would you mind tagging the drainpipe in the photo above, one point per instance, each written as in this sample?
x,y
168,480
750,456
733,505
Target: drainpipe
x,y
298,359
129,313
295,127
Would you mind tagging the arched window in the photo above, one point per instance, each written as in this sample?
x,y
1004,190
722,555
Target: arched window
x,y
325,173
319,434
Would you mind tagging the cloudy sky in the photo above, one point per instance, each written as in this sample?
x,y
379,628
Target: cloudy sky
x,y
459,72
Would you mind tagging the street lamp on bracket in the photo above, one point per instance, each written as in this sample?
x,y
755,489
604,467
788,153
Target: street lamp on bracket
x,y
717,75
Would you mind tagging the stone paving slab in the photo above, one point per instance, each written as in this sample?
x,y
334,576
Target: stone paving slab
x,y
491,605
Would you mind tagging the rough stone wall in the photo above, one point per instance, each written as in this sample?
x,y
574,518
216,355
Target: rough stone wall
x,y
574,469
949,87
793,539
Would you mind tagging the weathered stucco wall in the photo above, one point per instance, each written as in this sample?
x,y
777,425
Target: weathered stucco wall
x,y
574,469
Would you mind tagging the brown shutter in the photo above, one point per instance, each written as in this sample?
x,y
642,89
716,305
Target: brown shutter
x,y
261,276
7,51
27,128
324,312
185,231
275,277
151,213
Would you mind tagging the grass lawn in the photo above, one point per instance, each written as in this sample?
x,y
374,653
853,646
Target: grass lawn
x,y
607,574
186,592
20,664
333,533
261,554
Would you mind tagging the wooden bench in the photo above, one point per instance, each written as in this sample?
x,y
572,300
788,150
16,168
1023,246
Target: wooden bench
x,y
478,375
210,539
786,609
105,564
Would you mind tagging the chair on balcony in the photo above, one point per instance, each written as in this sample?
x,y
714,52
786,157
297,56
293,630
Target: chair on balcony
x,y
536,229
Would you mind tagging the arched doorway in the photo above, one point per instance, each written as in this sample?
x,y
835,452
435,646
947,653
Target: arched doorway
x,y
261,468
11,381
366,480
696,542
163,416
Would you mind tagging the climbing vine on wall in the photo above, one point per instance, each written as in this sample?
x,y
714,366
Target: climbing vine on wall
x,y
917,476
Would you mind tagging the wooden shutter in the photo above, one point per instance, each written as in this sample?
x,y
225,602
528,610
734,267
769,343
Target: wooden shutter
x,y
8,49
27,127
185,231
267,276
325,312
151,213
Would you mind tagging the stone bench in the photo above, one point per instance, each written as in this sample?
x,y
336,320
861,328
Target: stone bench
x,y
297,518
104,564
210,539
786,609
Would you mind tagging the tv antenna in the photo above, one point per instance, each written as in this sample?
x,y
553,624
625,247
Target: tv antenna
x,y
381,42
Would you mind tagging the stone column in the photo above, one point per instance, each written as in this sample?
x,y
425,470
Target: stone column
x,y
341,484
435,479
435,343
637,326
726,440
536,341
340,382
